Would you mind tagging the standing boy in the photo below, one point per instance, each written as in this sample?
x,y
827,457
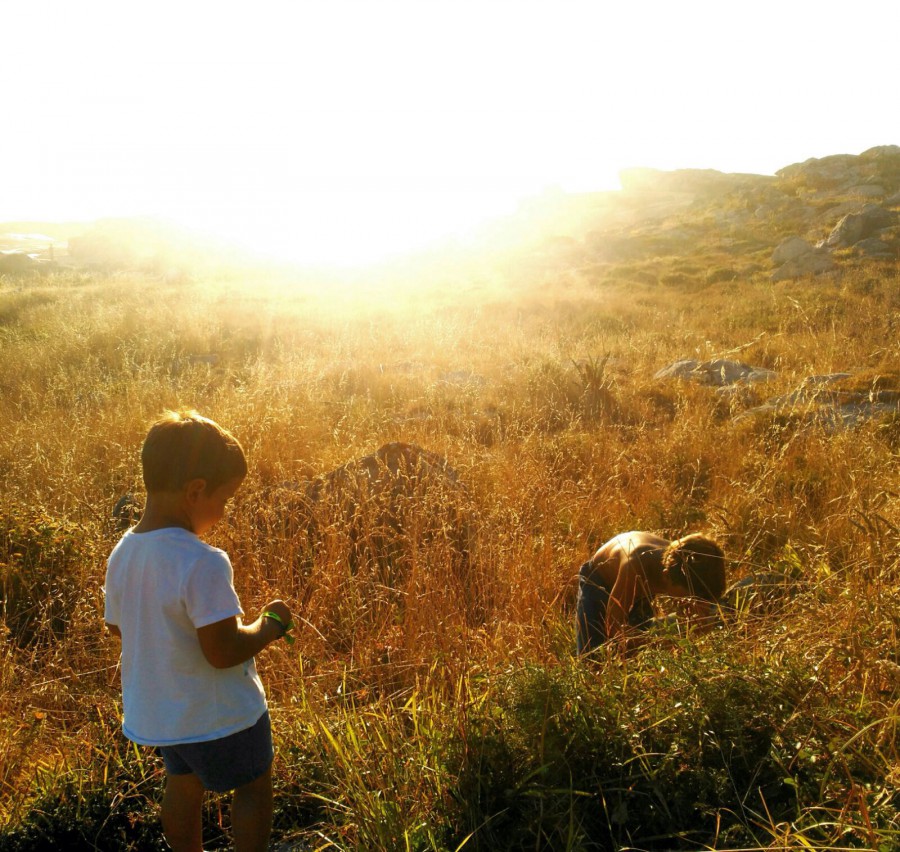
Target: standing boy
x,y
616,586
189,683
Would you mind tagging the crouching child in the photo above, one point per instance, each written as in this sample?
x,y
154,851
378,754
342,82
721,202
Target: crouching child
x,y
617,585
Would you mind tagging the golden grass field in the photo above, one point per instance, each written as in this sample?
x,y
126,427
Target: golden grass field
x,y
432,712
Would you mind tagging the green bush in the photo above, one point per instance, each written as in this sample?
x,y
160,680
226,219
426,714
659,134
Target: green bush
x,y
663,758
39,560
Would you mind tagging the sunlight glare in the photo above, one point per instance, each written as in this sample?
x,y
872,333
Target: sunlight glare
x,y
342,227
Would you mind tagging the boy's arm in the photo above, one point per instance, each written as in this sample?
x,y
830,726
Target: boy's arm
x,y
621,600
229,643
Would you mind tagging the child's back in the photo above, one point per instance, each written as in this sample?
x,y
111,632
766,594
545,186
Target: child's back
x,y
161,587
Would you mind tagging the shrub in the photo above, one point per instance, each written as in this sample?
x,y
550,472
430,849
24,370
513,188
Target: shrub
x,y
39,556
572,758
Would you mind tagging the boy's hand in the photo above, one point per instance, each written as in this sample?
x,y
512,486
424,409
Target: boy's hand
x,y
280,608
278,612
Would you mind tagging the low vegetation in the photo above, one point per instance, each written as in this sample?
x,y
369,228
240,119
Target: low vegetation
x,y
418,715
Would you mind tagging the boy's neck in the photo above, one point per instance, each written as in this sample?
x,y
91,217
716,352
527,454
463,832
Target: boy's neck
x,y
164,510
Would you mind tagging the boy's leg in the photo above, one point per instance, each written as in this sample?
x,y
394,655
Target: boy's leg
x,y
251,814
181,814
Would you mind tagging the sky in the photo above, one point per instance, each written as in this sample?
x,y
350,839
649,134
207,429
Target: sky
x,y
344,131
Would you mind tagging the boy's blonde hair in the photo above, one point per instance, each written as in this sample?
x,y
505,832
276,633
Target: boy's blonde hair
x,y
183,445
697,564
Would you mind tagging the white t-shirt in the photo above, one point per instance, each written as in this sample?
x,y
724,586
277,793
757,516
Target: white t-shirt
x,y
160,587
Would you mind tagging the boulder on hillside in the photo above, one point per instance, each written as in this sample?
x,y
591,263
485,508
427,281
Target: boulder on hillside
x,y
854,227
843,173
384,505
874,247
791,249
815,262
706,182
833,214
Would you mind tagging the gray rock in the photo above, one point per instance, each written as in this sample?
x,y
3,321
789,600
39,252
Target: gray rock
x,y
832,409
832,214
857,226
719,372
825,172
677,370
815,262
790,249
127,512
874,247
758,592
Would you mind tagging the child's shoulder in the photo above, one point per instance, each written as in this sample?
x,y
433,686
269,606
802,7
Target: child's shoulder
x,y
172,540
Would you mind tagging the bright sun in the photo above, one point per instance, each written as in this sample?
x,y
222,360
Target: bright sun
x,y
347,227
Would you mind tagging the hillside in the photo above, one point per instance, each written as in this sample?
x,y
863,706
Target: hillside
x,y
732,220
713,216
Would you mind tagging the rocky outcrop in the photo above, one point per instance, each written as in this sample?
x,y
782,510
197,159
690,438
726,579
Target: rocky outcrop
x,y
854,182
871,229
877,167
835,401
875,248
718,372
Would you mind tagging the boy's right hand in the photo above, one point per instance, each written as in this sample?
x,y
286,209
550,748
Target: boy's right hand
x,y
281,609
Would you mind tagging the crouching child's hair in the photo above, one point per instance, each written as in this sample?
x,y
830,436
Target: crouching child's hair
x,y
697,563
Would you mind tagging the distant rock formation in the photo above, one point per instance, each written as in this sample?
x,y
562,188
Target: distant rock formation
x,y
856,221
879,166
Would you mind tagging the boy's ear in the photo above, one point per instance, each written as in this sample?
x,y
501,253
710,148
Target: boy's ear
x,y
193,489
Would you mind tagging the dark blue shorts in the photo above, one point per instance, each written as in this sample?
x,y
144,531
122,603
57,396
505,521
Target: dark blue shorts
x,y
590,611
226,763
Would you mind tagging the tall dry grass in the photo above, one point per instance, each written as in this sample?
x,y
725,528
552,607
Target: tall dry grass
x,y
433,713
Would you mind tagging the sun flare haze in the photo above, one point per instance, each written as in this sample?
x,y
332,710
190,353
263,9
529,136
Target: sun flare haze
x,y
347,132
